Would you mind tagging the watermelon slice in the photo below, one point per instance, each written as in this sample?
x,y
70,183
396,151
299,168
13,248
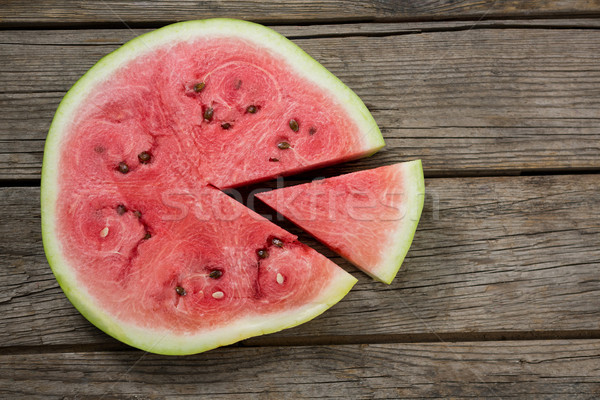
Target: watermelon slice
x,y
185,273
368,217
134,228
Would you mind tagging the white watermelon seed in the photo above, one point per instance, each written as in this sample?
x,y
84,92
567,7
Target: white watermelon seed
x,y
104,232
218,295
280,278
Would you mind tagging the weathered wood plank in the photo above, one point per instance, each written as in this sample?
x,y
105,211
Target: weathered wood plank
x,y
466,102
491,255
530,369
110,37
56,12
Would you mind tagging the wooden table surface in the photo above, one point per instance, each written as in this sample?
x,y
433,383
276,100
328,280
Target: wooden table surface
x,y
499,296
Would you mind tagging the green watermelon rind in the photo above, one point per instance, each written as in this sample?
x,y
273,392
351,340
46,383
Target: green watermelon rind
x,y
167,342
414,188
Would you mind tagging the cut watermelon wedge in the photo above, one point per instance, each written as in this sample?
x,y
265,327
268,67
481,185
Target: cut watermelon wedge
x,y
368,217
139,238
218,101
188,274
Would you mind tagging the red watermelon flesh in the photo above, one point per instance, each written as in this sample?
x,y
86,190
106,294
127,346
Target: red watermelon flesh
x,y
368,217
225,257
251,120
136,233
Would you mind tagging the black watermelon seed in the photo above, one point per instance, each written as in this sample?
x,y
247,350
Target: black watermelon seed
x,y
208,114
277,242
294,125
144,157
121,209
215,274
198,87
312,130
147,236
225,125
262,253
251,109
123,167
283,145
273,159
137,213
180,291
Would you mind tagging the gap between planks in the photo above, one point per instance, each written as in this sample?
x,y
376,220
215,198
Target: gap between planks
x,y
334,340
322,31
110,13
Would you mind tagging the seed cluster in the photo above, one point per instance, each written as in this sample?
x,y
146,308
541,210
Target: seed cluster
x,y
145,157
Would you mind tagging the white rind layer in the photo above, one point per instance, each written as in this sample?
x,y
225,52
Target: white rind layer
x,y
165,342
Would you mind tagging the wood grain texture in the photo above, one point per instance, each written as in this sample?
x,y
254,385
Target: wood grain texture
x,y
491,255
532,369
16,13
487,101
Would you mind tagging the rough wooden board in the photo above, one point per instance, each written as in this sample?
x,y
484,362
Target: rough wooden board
x,y
56,12
466,102
530,369
116,37
510,254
